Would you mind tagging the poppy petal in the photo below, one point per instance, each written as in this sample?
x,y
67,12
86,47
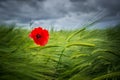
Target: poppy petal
x,y
40,36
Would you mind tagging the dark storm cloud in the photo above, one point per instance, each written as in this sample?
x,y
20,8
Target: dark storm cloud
x,y
31,9
56,11
19,9
84,6
112,7
45,9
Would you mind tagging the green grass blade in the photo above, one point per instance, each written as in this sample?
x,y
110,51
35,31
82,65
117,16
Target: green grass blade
x,y
84,28
75,33
80,44
109,75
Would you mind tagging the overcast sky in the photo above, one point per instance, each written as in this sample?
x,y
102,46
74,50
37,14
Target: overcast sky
x,y
62,14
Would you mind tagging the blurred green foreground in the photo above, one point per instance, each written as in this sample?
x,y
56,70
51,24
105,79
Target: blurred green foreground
x,y
69,55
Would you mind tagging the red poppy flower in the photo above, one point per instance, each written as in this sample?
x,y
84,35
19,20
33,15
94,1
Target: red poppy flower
x,y
40,36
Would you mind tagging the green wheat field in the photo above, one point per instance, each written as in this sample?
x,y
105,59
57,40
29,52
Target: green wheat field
x,y
84,54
